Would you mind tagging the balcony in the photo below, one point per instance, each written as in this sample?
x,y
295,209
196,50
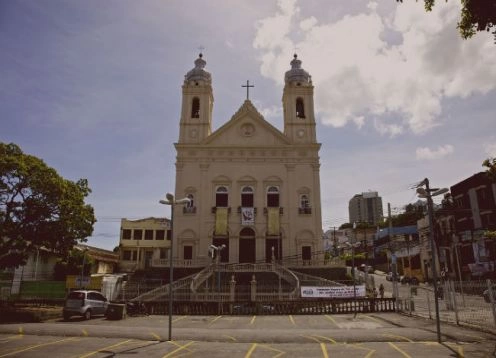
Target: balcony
x,y
305,211
214,210
281,211
189,210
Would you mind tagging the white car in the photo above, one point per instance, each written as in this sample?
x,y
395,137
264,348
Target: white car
x,y
84,303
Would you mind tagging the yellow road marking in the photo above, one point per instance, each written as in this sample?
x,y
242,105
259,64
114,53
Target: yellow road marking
x,y
372,351
399,350
253,319
292,320
215,319
327,338
178,349
371,318
331,319
85,333
324,350
21,331
179,318
312,338
105,348
275,350
230,337
37,346
460,352
406,339
250,351
156,336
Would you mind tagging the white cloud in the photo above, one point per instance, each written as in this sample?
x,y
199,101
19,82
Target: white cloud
x,y
490,149
358,74
426,153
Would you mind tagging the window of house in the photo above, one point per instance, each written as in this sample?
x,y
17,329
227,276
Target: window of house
x,y
163,254
126,255
138,234
247,197
188,252
273,197
148,234
126,234
300,108
304,201
191,203
221,197
195,108
160,235
169,234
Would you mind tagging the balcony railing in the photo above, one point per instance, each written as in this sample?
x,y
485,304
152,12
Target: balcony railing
x,y
281,211
306,211
189,210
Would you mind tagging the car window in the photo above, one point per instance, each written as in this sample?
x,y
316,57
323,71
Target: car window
x,y
100,297
93,296
76,296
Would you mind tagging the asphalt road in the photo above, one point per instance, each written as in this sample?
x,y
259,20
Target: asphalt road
x,y
366,335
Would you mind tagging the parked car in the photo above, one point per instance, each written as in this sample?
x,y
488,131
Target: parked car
x,y
84,303
486,295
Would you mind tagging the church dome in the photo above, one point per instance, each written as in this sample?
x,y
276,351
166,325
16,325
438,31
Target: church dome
x,y
297,74
198,73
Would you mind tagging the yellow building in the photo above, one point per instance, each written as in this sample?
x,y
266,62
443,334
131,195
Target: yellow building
x,y
253,188
144,243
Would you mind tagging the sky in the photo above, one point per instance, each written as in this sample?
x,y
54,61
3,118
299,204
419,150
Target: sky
x,y
94,89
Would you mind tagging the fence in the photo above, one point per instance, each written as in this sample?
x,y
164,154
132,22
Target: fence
x,y
470,303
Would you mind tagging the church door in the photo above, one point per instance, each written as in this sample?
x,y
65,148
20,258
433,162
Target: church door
x,y
224,253
247,253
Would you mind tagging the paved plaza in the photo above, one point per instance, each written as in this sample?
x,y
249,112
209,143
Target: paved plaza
x,y
363,335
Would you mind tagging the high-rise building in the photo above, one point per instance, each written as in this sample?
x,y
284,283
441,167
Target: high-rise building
x,y
366,208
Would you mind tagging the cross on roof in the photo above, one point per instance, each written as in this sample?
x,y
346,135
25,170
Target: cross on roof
x,y
247,89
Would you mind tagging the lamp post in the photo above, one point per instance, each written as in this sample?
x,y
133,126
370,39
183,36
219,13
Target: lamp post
x,y
171,200
217,250
428,193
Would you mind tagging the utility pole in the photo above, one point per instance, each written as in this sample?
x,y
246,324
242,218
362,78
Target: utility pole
x,y
393,256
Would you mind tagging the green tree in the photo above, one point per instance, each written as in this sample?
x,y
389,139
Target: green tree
x,y
476,15
38,208
490,164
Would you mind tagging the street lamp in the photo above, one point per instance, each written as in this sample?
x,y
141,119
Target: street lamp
x,y
217,250
171,200
428,193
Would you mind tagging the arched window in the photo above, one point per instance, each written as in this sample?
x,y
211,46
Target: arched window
x,y
300,108
191,203
247,197
195,108
221,197
246,233
273,197
304,201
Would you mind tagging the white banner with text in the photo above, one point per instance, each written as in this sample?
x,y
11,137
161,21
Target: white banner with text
x,y
332,292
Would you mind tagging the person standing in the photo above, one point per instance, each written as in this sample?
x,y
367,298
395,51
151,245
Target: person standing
x,y
381,290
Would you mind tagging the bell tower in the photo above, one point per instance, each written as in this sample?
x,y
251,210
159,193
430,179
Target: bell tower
x,y
297,100
197,105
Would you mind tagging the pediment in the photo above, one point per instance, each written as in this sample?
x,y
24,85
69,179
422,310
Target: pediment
x,y
247,127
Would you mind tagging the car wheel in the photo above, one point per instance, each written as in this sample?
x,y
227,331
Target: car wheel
x,y
87,314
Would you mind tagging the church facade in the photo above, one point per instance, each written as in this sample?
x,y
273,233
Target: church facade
x,y
254,191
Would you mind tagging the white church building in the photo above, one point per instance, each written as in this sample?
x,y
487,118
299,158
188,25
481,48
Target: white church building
x,y
252,187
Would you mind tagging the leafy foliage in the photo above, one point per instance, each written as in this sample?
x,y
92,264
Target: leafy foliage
x,y
490,164
476,15
38,208
72,265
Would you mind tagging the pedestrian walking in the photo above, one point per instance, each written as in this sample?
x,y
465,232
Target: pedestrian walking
x,y
381,290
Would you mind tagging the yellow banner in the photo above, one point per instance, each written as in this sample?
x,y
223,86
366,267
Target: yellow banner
x,y
221,221
84,282
273,224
